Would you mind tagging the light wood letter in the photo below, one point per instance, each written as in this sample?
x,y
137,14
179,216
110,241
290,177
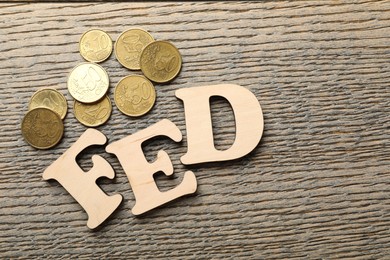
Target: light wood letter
x,y
140,172
82,185
248,117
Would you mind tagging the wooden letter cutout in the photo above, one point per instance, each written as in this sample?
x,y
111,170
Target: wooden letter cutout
x,y
140,172
248,117
82,185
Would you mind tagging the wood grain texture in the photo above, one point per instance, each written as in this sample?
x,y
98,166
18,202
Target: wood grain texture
x,y
316,187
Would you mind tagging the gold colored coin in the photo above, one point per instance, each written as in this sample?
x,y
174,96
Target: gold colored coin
x,y
88,82
160,61
134,95
95,45
94,114
51,99
42,128
129,45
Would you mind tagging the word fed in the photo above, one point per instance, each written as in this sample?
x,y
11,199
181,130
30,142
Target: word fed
x,y
99,206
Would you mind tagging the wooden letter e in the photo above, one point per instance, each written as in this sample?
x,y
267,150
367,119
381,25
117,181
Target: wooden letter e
x,y
140,172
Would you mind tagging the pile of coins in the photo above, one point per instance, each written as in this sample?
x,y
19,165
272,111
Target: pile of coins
x,y
88,84
134,95
42,126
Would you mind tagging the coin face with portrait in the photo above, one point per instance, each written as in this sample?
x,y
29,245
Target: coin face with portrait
x,y
95,45
134,95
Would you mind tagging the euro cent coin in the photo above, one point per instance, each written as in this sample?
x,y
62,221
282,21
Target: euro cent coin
x,y
51,99
160,61
134,95
93,114
95,45
42,128
88,82
129,45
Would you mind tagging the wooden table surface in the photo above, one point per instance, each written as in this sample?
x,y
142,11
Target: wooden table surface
x,y
317,185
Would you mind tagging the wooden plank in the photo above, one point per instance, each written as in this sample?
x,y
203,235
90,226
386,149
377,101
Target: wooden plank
x,y
316,187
